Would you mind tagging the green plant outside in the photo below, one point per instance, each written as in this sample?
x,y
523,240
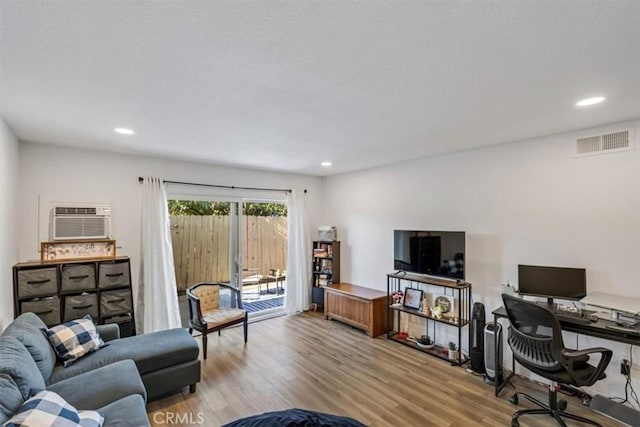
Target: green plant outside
x,y
199,208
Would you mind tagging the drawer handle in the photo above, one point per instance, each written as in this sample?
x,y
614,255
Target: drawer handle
x,y
115,300
114,274
38,282
86,276
80,307
43,312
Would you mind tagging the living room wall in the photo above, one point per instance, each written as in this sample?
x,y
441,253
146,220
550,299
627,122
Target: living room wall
x,y
53,174
8,246
529,202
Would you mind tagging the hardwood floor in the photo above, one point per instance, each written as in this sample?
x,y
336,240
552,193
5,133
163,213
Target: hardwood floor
x,y
304,361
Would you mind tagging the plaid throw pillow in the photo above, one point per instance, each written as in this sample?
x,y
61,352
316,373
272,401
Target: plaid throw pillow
x,y
74,339
47,408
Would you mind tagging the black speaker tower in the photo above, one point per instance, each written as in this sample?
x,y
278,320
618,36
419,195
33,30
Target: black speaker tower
x,y
476,338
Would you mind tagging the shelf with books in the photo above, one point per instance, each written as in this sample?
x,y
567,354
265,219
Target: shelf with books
x,y
325,268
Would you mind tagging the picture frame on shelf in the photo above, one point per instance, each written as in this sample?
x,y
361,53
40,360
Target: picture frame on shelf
x,y
446,304
412,298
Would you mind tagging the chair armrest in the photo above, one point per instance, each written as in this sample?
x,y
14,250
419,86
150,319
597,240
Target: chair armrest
x,y
108,332
569,355
235,292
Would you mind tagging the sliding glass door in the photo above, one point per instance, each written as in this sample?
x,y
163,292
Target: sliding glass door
x,y
239,242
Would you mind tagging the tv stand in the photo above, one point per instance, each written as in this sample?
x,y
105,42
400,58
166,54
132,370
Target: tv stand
x,y
457,318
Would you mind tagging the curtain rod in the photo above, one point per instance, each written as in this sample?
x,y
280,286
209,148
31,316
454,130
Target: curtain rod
x,y
231,187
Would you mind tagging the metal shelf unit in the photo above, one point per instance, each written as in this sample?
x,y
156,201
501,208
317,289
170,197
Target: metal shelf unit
x,y
460,291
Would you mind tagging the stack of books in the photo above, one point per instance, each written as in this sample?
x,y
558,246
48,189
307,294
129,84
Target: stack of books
x,y
320,252
324,280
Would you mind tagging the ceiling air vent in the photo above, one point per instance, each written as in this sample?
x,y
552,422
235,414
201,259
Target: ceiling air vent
x,y
609,142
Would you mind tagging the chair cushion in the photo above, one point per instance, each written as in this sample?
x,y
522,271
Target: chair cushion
x,y
564,377
47,408
27,328
150,352
16,362
222,316
10,397
74,339
209,296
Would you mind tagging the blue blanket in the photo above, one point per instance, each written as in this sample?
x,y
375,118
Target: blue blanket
x,y
295,418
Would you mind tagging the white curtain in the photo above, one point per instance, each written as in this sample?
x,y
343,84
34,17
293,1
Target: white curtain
x,y
157,293
298,296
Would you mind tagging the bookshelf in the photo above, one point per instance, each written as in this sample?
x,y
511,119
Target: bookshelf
x,y
325,268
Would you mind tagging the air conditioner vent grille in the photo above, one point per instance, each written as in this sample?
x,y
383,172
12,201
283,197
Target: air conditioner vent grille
x,y
615,140
80,227
63,210
609,142
589,144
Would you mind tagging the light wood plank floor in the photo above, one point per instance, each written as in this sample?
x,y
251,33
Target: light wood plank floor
x,y
304,361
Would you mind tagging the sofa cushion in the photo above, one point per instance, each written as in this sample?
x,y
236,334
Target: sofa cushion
x,y
128,411
102,386
150,352
10,397
27,328
74,339
16,362
47,409
109,332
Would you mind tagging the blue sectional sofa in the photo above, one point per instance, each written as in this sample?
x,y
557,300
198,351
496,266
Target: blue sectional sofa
x,y
115,380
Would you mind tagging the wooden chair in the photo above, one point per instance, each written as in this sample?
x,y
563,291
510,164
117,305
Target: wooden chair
x,y
213,307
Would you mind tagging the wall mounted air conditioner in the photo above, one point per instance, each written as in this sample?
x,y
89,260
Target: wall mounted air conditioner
x,y
80,222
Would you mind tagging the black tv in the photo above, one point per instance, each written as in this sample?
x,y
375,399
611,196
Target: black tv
x,y
436,253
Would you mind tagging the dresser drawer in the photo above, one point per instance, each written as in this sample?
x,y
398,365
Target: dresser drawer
x,y
77,306
34,282
113,274
115,302
47,309
78,277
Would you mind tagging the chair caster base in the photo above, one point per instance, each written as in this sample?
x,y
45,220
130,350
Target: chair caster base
x,y
514,399
562,405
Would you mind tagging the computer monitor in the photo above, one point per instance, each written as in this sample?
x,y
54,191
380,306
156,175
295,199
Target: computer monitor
x,y
552,282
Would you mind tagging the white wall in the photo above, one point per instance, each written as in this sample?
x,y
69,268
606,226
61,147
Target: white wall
x,y
528,202
8,244
50,174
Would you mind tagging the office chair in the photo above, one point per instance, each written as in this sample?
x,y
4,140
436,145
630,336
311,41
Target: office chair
x,y
535,338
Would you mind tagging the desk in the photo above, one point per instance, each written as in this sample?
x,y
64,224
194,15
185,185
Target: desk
x,y
595,329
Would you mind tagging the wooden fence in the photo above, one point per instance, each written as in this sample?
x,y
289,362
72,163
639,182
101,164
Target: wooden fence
x,y
201,246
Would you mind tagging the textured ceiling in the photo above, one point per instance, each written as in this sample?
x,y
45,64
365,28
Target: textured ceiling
x,y
284,85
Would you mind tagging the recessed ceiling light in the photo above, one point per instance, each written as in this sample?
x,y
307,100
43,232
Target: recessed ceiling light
x,y
124,131
325,164
590,101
